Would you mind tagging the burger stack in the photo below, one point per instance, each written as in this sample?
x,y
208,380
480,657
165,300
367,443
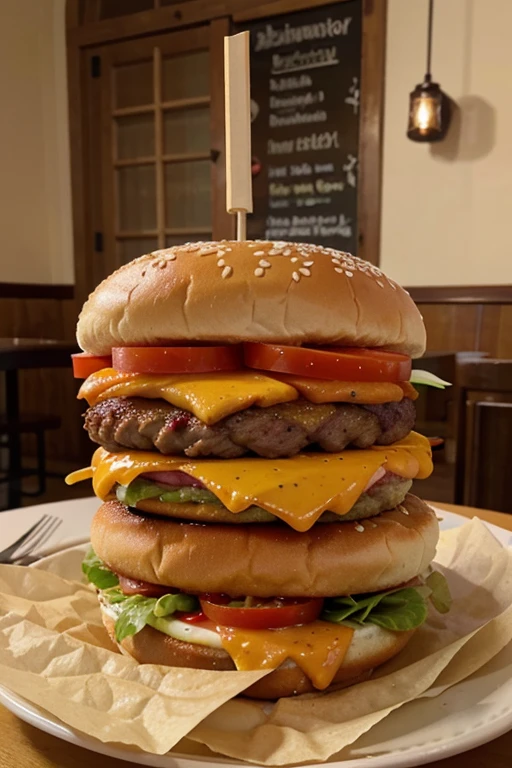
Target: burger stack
x,y
252,406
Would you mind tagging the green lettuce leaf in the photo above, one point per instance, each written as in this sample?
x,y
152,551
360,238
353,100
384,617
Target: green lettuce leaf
x,y
97,572
401,611
428,379
439,592
140,489
134,615
397,609
137,611
136,491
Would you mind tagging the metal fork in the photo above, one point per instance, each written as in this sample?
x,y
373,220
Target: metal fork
x,y
22,550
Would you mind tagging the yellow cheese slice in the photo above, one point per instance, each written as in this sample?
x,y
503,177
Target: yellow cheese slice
x,y
296,490
209,396
214,396
326,391
317,648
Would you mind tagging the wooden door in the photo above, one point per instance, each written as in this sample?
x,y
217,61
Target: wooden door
x,y
158,144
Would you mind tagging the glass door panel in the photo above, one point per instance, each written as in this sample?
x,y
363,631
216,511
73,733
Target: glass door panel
x,y
171,240
133,84
135,247
135,136
136,198
188,195
186,76
156,143
187,130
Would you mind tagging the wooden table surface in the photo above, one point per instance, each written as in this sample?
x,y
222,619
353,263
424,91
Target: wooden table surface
x,y
23,746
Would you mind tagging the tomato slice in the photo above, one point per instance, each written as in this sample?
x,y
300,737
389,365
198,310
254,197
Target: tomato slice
x,y
335,363
265,614
176,359
136,587
85,364
191,618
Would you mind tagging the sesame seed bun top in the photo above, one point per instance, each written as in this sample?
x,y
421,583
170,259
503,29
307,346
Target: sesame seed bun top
x,y
229,291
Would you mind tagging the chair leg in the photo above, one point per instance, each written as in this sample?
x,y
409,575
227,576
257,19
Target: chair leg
x,y
41,463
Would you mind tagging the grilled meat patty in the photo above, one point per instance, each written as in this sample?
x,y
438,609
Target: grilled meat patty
x,y
278,431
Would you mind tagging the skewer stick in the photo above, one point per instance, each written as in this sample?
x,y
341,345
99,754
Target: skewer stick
x,y
238,130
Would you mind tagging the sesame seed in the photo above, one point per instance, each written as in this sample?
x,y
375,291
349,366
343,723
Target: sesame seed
x,y
379,283
339,270
336,261
304,271
221,263
207,251
192,248
349,274
294,259
275,252
264,263
286,252
253,245
308,263
226,272
162,264
172,257
259,253
296,276
359,528
221,253
259,272
403,510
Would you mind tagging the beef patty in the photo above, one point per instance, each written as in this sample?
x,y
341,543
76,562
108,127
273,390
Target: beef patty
x,y
277,431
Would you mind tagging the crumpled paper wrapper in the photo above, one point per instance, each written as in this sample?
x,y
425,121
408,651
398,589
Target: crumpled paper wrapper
x,y
55,653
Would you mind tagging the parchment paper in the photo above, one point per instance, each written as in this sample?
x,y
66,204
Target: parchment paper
x,y
55,653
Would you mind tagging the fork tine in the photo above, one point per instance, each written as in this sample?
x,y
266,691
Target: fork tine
x,y
28,543
42,536
8,551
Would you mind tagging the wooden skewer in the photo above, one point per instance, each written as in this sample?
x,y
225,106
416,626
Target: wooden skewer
x,y
238,130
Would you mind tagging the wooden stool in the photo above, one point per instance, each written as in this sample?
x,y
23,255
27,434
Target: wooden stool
x,y
36,424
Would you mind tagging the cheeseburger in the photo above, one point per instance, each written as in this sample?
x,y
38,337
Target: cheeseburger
x,y
253,410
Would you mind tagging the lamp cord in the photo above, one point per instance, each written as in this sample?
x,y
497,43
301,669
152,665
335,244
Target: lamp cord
x,y
428,76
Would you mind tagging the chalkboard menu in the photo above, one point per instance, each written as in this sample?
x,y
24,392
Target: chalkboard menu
x,y
305,87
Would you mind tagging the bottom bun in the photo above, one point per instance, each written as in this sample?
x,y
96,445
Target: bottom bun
x,y
370,647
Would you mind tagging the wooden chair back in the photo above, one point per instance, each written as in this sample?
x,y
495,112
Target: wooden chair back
x,y
484,434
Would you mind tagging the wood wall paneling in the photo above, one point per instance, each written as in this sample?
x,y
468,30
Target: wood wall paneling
x,y
469,327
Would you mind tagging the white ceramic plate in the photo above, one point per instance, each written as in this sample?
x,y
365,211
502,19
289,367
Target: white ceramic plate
x,y
469,714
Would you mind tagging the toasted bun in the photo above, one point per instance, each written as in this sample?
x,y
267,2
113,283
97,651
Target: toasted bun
x,y
250,291
370,647
268,559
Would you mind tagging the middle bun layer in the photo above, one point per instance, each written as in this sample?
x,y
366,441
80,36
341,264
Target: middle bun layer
x,y
269,560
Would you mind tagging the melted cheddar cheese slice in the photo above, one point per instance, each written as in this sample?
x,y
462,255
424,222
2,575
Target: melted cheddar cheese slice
x,y
214,396
209,396
296,490
327,391
317,648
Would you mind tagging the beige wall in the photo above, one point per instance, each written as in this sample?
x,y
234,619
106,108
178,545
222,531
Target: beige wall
x,y
447,208
35,207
